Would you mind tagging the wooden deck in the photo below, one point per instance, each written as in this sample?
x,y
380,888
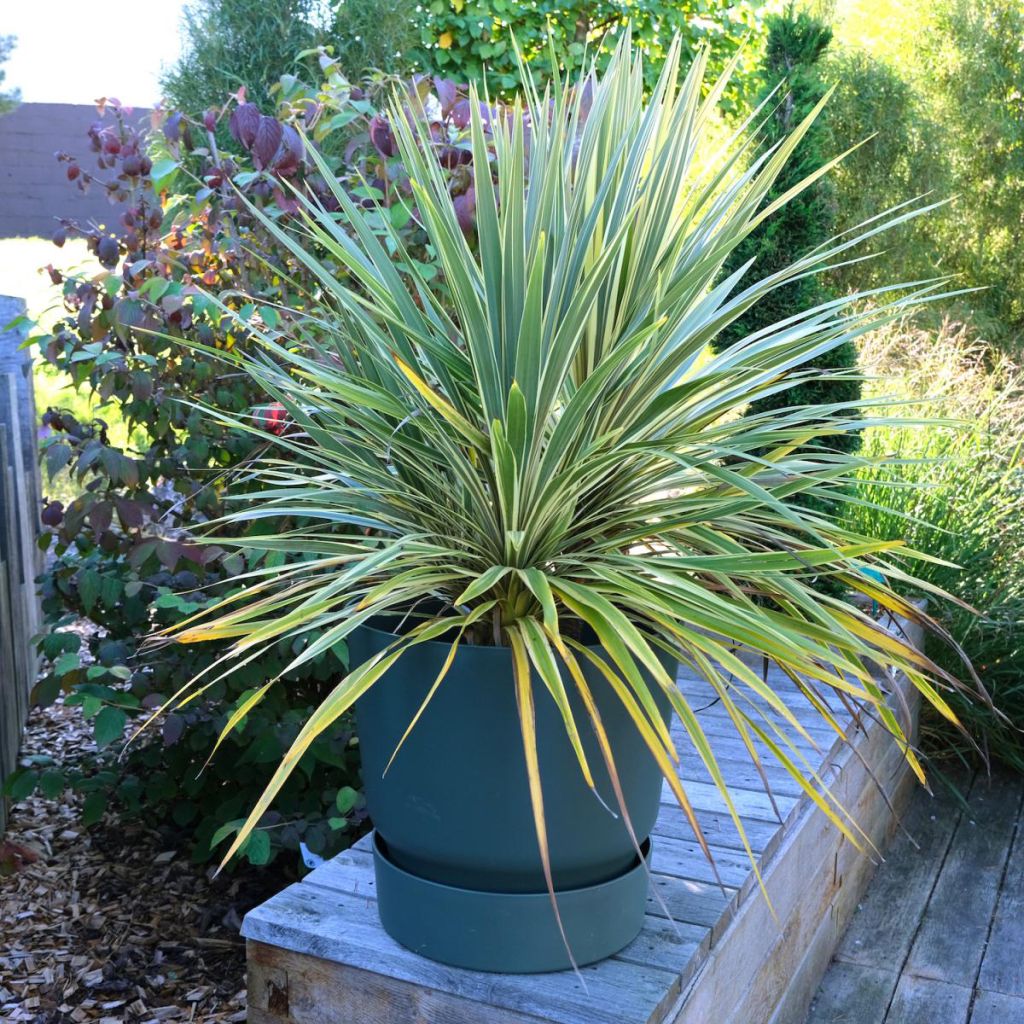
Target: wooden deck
x,y
939,937
318,954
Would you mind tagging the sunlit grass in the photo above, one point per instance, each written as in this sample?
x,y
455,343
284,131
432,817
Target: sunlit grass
x,y
23,271
23,263
960,498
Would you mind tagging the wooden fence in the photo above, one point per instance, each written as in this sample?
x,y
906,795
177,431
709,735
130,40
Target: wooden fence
x,y
20,560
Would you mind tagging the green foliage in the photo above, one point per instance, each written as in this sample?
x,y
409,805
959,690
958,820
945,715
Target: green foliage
x,y
464,39
231,45
974,69
144,334
8,100
900,155
946,104
791,78
957,493
24,268
377,35
171,780
543,450
227,48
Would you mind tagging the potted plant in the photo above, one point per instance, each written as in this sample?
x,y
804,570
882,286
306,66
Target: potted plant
x,y
523,495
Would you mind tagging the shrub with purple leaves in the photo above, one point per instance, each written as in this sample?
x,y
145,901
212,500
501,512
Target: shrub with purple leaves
x,y
152,337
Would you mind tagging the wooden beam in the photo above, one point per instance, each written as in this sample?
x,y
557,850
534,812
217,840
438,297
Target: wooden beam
x,y
20,558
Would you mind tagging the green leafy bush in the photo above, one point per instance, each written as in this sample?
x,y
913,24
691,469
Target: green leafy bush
x,y
228,45
957,494
379,35
174,780
145,334
227,49
792,84
465,38
946,108
876,108
974,70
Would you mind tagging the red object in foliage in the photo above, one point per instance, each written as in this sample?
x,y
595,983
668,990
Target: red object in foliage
x,y
14,857
272,418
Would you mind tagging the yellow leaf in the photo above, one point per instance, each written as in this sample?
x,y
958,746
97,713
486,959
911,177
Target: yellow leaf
x,y
528,727
458,5
240,712
446,40
444,407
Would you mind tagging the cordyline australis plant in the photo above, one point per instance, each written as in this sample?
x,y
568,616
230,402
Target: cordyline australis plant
x,y
552,453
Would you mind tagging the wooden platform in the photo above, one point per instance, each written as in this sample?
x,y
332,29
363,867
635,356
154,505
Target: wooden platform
x,y
940,934
318,955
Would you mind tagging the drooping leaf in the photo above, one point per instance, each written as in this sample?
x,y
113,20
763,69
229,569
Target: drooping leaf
x,y
109,726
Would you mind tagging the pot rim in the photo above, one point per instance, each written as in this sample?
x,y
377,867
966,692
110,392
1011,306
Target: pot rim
x,y
380,850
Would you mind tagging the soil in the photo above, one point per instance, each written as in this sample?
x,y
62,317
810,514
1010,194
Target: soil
x,y
112,923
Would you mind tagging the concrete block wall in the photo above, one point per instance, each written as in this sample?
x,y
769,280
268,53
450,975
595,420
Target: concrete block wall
x,y
34,189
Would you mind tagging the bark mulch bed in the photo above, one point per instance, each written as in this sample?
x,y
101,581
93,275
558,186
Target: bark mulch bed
x,y
109,924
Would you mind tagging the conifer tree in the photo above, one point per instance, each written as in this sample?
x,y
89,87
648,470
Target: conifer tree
x,y
796,42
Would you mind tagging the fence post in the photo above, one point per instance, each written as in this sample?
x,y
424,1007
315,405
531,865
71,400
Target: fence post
x,y
20,558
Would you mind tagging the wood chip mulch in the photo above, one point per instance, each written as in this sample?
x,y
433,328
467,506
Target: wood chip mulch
x,y
111,924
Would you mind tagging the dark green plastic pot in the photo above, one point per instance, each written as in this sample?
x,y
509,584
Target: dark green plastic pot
x,y
459,876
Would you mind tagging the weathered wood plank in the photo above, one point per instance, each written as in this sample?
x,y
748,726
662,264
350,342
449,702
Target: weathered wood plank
x,y
953,932
748,804
714,720
716,723
671,945
681,858
944,892
718,828
344,929
997,1007
20,559
759,951
883,926
777,680
730,749
927,1001
10,716
703,695
723,733
852,994
691,901
825,896
299,989
741,773
1002,968
661,943
819,738
803,980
